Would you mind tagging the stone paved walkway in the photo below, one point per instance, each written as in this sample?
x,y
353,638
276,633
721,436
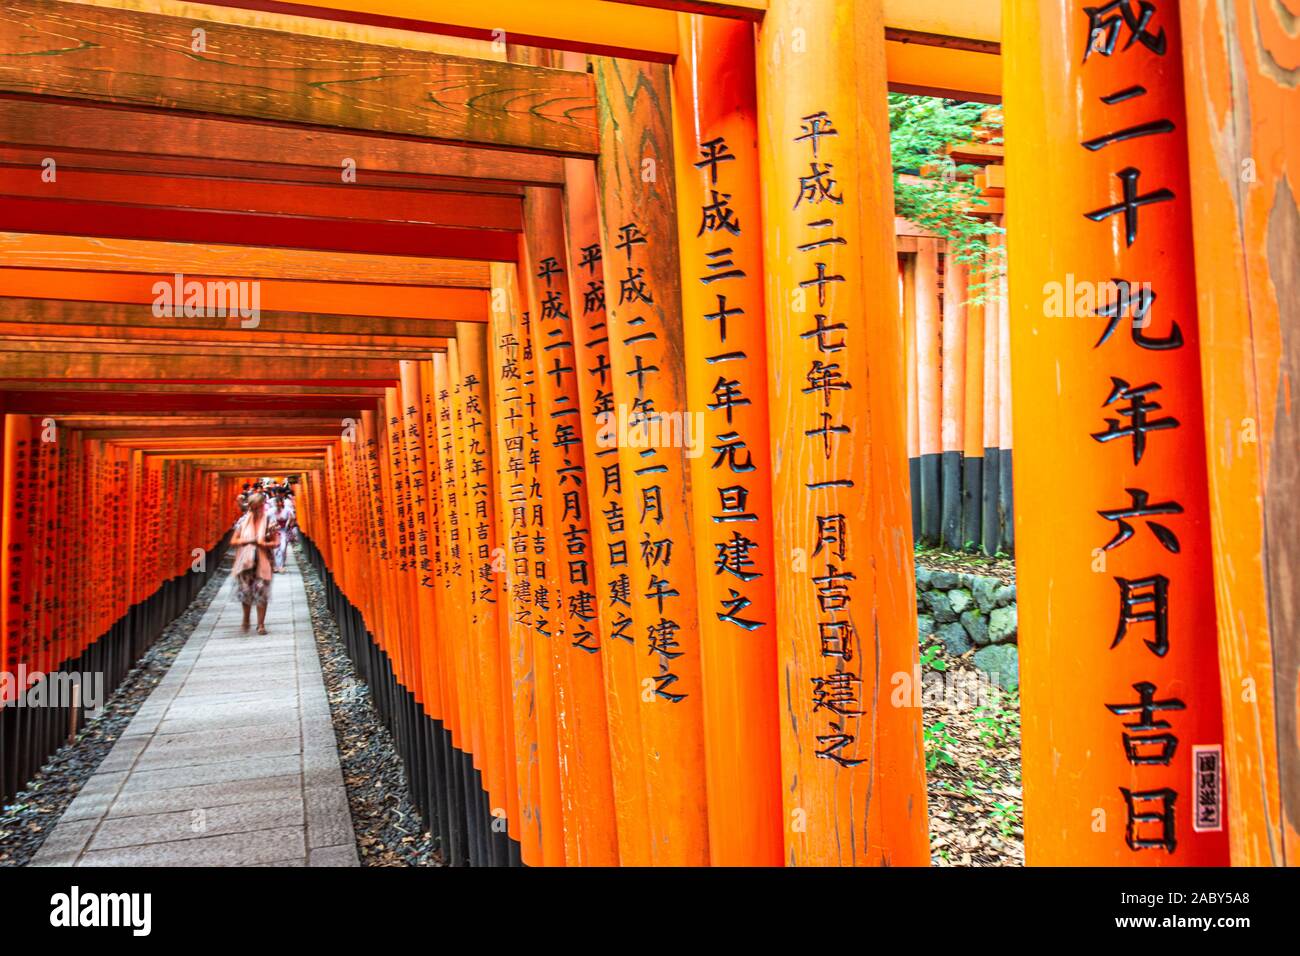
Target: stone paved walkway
x,y
232,760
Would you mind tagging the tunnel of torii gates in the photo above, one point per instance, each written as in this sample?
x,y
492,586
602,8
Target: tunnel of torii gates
x,y
579,323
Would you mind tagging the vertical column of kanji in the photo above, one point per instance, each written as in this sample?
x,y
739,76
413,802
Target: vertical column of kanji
x,y
374,591
422,516
454,603
404,581
851,752
620,657
720,229
484,561
383,590
73,570
477,752
42,454
122,508
1117,634
586,787
513,475
467,646
647,352
553,685
443,607
542,561
1242,96
58,531
929,403
15,557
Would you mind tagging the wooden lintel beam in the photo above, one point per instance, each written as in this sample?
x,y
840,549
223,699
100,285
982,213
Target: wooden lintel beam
x,y
330,298
195,142
117,221
24,363
144,60
305,328
751,10
338,201
94,254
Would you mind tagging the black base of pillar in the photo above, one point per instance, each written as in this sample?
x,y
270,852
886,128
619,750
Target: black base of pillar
x,y
29,736
446,788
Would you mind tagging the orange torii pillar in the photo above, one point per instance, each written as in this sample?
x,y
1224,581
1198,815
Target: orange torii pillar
x,y
907,316
549,674
1119,672
445,610
954,397
643,299
468,358
929,398
514,404
972,464
994,310
423,550
852,756
620,654
1242,103
577,642
720,227
455,604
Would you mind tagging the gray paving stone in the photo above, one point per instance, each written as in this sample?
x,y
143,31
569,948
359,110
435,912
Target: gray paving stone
x,y
345,855
233,849
62,846
329,821
234,748
232,761
207,795
200,822
226,771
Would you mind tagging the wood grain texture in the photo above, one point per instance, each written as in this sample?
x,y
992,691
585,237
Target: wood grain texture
x,y
852,756
647,352
140,317
89,253
295,151
145,60
1242,63
1071,560
352,202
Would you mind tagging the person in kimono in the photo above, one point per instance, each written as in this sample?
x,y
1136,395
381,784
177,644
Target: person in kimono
x,y
287,519
254,540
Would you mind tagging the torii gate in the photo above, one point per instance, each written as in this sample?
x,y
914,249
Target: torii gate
x,y
645,651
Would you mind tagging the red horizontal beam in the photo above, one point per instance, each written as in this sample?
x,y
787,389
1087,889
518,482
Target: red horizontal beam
x,y
337,201
121,221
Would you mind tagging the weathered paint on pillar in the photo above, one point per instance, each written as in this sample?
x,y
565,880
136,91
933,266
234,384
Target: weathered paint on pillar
x,y
852,757
609,532
1116,608
1241,60
514,403
643,303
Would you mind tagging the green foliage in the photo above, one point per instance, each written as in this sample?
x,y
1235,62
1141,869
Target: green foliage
x,y
1007,817
937,742
998,718
920,129
931,660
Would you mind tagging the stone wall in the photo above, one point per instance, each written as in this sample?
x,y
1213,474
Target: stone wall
x,y
970,612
